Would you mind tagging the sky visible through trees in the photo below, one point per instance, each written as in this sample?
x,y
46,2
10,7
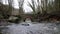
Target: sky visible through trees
x,y
25,6
16,5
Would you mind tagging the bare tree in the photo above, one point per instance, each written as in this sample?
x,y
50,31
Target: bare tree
x,y
10,6
21,2
38,7
4,10
44,6
32,5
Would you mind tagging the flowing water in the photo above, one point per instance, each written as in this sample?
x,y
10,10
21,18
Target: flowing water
x,y
38,28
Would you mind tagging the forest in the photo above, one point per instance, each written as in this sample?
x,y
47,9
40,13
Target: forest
x,y
42,10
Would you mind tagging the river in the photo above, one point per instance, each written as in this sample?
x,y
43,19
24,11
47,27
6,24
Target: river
x,y
37,28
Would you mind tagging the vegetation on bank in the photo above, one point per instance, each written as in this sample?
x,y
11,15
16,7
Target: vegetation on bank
x,y
48,12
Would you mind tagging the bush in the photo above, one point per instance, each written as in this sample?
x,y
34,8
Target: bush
x,y
18,18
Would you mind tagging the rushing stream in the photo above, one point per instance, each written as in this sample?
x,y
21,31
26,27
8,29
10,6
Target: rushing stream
x,y
29,28
39,28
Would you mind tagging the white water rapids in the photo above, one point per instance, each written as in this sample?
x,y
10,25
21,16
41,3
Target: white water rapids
x,y
40,28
